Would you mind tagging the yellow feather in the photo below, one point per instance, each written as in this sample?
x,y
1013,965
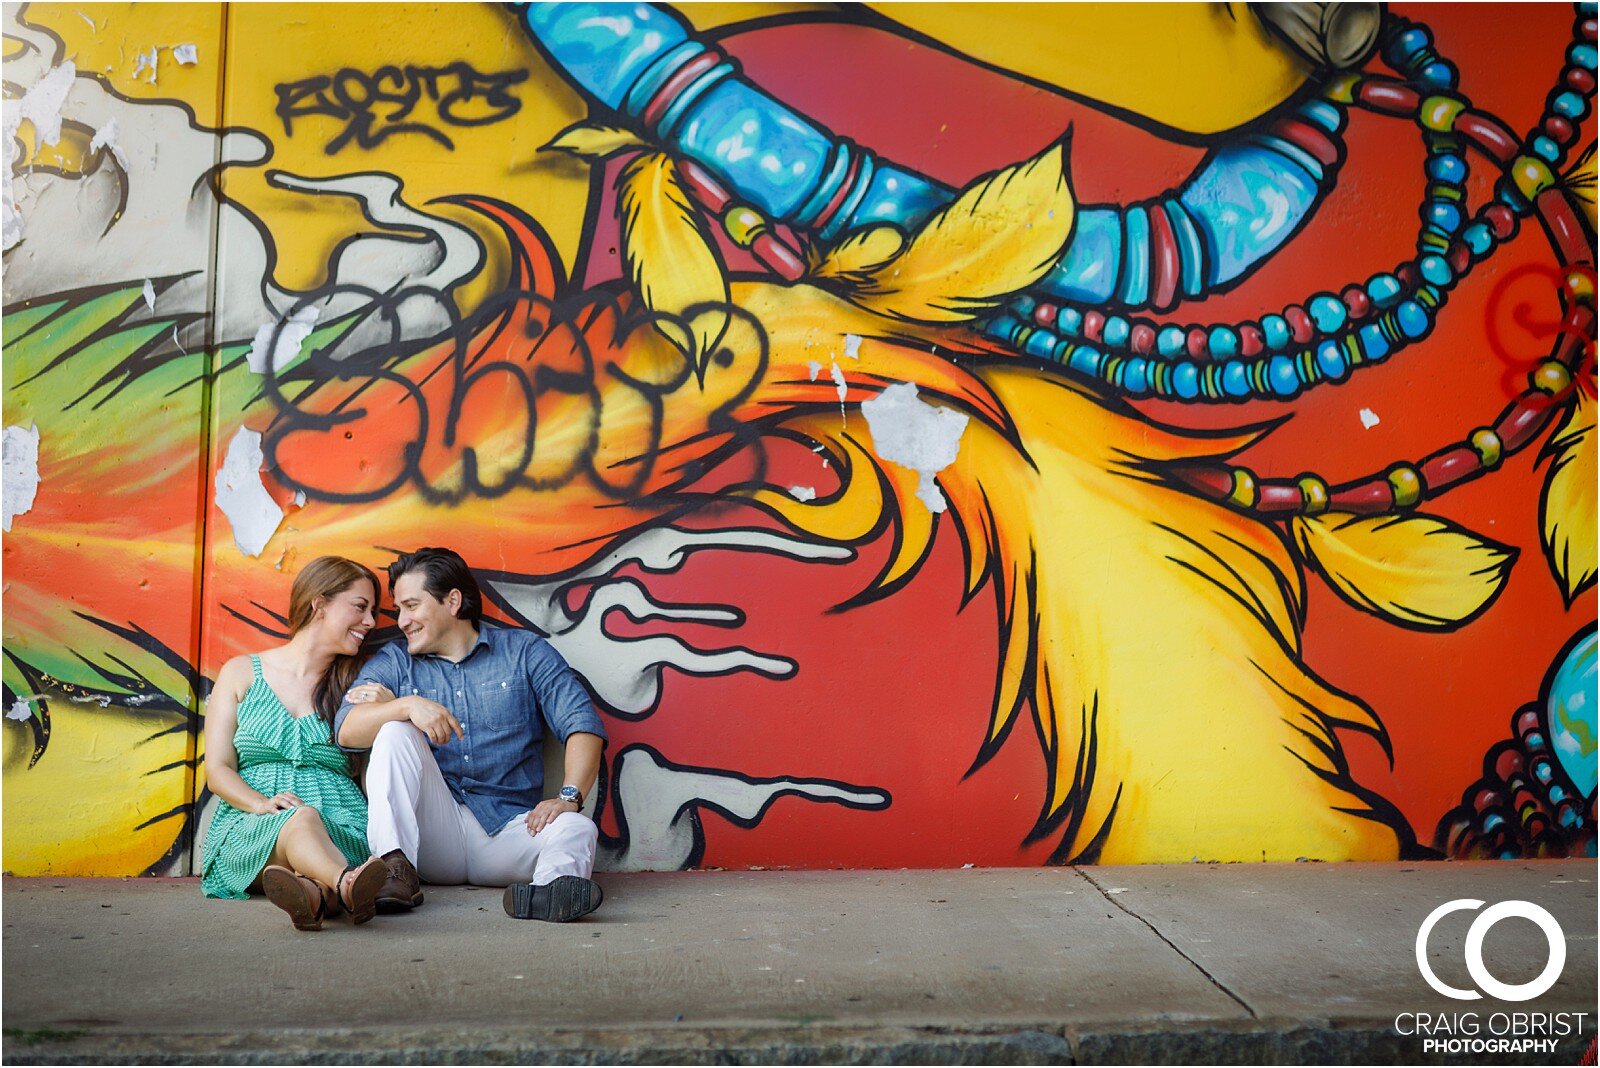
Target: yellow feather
x,y
594,142
859,253
1567,506
999,236
1419,571
671,260
1580,180
1139,708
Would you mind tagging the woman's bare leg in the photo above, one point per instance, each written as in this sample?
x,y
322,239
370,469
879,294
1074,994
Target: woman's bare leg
x,y
304,847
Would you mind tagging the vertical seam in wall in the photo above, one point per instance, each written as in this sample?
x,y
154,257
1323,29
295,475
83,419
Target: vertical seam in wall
x,y
207,442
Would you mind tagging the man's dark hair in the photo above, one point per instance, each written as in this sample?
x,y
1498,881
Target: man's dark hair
x,y
442,570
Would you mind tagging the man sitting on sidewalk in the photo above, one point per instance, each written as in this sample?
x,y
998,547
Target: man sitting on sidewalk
x,y
454,721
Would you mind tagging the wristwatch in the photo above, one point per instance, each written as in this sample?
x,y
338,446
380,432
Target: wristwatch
x,y
572,794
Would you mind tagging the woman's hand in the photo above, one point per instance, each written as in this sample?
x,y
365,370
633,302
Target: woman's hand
x,y
369,693
277,803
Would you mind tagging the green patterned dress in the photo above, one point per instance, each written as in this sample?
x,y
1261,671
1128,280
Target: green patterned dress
x,y
279,751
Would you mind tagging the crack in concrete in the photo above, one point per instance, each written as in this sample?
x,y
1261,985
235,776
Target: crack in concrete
x,y
1219,984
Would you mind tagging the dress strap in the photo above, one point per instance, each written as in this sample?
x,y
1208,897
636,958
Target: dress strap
x,y
255,665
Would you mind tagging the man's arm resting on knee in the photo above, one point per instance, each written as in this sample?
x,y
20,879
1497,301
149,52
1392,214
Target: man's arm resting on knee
x,y
361,723
580,768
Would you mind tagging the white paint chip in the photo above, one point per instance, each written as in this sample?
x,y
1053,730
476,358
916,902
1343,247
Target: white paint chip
x,y
20,710
19,458
815,368
803,493
149,60
838,381
291,334
185,54
250,509
852,346
1369,418
42,104
908,431
150,302
106,138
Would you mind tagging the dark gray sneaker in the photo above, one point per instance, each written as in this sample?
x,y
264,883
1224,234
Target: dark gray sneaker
x,y
560,901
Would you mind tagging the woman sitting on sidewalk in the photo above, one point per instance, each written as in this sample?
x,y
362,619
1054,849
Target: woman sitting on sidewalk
x,y
291,821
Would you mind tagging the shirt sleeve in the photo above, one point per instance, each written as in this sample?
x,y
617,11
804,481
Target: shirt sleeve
x,y
384,667
563,700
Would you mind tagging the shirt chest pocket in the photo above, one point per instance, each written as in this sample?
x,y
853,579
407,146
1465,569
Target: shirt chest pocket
x,y
502,704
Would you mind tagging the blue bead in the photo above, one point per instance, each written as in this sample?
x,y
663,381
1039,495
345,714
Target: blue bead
x,y
1275,332
1384,289
1586,7
1116,331
1327,311
1478,238
1406,44
1569,104
1332,360
1447,167
1323,114
1568,817
1443,214
1557,794
1224,342
1282,377
1069,321
1235,383
1086,360
1171,341
1041,343
1435,270
1024,305
1582,54
1439,73
1412,320
1546,149
1062,350
1136,376
1186,380
1374,346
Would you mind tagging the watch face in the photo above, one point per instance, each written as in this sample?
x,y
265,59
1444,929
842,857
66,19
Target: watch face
x,y
569,793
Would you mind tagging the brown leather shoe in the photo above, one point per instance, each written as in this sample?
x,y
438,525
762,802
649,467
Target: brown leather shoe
x,y
402,890
305,900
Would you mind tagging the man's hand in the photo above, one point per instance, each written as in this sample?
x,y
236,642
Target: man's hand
x,y
369,693
545,811
277,803
432,719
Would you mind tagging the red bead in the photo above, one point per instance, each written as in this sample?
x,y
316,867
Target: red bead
x,y
1278,496
1580,80
1489,134
1390,98
1195,343
1166,262
1045,314
1309,140
1485,799
1527,723
1301,328
1364,498
1559,128
1586,29
1449,467
1459,257
1501,219
1251,342
1143,339
1407,275
1093,323
1522,421
1356,302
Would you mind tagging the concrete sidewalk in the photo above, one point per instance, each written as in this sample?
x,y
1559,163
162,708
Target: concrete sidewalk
x,y
1300,963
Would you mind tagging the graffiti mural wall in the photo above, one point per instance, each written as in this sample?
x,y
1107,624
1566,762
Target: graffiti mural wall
x,y
939,436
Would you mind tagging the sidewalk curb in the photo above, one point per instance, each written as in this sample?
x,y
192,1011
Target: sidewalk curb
x,y
1258,1042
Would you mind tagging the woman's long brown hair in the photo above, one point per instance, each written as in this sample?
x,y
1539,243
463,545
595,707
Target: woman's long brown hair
x,y
324,577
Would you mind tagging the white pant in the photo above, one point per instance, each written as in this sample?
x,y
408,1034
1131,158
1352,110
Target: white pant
x,y
410,808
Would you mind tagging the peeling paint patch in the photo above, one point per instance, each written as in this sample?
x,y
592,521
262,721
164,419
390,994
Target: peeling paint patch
x,y
185,54
20,710
803,493
106,138
852,346
147,60
291,333
250,509
908,431
42,104
150,302
19,457
815,368
1369,418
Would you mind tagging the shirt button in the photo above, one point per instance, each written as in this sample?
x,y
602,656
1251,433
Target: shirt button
x,y
458,693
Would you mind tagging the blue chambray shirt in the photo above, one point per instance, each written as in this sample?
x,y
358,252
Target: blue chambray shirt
x,y
507,690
